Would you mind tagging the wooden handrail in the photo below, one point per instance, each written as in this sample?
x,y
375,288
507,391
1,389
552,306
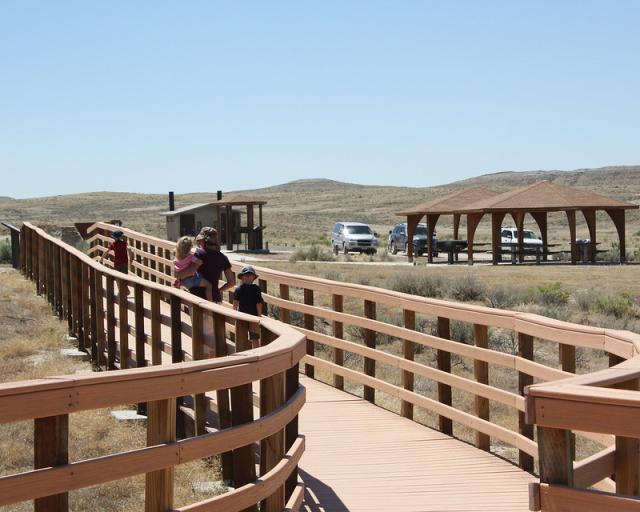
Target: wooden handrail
x,y
82,291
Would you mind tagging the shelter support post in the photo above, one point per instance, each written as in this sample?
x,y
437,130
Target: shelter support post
x,y
229,227
432,220
571,218
412,224
518,218
456,226
541,221
618,218
590,218
473,219
496,240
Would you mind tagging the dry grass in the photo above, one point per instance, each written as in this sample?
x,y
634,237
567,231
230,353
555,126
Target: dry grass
x,y
30,343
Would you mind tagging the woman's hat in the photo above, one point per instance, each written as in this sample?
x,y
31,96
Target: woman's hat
x,y
117,234
246,271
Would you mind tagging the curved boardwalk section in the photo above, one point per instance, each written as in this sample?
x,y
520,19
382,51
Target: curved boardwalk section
x,y
360,457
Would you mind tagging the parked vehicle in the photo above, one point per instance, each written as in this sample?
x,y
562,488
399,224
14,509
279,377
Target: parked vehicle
x,y
398,239
353,237
531,240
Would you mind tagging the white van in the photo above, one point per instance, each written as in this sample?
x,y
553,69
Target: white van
x,y
509,237
353,236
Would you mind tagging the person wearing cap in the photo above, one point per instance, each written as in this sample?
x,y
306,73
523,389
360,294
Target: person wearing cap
x,y
214,264
121,253
247,298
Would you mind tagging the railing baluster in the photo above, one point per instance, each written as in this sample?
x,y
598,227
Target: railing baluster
x,y
93,306
51,448
308,322
222,395
292,383
100,339
627,460
161,428
525,350
123,319
271,448
370,341
408,352
444,364
111,324
481,374
337,304
84,303
284,294
156,326
197,340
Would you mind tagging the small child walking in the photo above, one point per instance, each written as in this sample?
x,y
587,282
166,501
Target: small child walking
x,y
184,259
121,254
247,298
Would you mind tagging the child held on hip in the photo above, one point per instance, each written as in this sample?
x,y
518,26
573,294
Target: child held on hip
x,y
184,259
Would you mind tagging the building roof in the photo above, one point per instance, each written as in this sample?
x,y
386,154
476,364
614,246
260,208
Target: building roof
x,y
237,200
450,203
545,196
185,209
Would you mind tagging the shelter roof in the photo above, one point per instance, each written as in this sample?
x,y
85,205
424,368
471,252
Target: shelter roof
x,y
450,203
546,196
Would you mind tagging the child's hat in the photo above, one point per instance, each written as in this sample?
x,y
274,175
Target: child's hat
x,y
117,234
246,271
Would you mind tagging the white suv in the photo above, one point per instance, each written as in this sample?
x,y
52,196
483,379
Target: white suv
x,y
353,236
532,242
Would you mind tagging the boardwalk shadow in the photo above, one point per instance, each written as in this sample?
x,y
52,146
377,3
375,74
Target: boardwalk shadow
x,y
319,497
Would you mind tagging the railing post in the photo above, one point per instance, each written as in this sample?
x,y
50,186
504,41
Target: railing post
x,y
284,294
222,395
152,262
93,308
145,260
59,281
338,332
197,339
292,383
525,351
370,341
444,364
627,457
67,289
161,428
123,319
308,321
141,337
481,374
271,448
556,456
567,355
156,326
51,448
111,324
244,467
100,339
84,302
408,352
76,307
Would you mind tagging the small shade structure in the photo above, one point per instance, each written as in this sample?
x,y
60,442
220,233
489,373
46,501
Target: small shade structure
x,y
224,215
450,204
538,200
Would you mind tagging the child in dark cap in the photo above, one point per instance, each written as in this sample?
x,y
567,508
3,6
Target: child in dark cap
x,y
247,298
121,254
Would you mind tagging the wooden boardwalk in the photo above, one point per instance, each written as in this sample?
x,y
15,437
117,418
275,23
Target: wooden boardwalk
x,y
360,457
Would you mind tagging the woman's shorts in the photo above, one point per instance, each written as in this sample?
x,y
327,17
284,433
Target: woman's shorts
x,y
193,281
122,267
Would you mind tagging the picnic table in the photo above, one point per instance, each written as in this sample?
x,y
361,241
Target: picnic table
x,y
540,251
452,248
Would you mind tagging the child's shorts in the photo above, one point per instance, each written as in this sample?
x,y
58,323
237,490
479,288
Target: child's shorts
x,y
193,281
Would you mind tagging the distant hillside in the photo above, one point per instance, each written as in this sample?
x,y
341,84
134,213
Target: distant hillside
x,y
303,211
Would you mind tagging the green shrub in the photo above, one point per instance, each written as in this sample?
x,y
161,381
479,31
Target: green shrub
x,y
468,288
5,251
313,253
424,285
502,297
553,294
586,299
619,305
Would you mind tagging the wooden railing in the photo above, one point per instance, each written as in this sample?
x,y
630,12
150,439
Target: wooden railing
x,y
163,357
324,310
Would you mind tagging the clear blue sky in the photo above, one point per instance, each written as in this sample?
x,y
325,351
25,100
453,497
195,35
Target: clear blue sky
x,y
187,96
